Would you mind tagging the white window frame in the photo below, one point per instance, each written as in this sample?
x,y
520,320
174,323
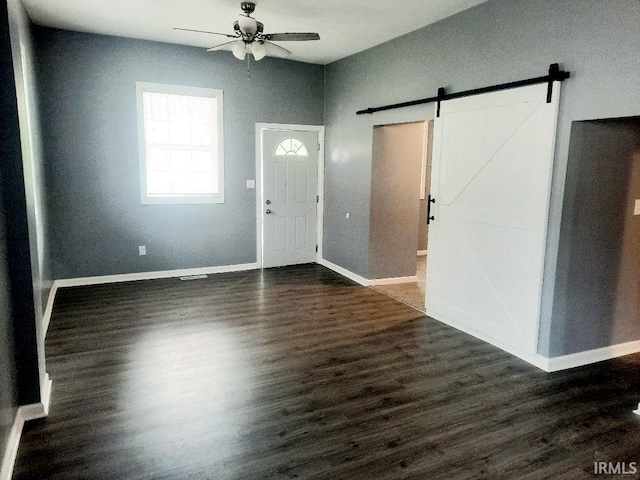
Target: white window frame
x,y
142,87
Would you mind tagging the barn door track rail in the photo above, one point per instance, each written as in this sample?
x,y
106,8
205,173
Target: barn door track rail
x,y
554,75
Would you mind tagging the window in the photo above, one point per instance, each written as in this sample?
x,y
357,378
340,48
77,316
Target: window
x,y
291,147
181,150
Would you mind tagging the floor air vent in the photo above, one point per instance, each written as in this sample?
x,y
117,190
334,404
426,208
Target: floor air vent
x,y
193,277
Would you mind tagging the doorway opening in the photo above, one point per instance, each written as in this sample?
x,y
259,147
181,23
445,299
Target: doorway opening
x,y
400,182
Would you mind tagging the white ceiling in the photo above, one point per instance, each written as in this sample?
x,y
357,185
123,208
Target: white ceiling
x,y
345,26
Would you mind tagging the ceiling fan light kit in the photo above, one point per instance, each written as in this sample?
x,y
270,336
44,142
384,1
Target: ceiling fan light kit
x,y
248,37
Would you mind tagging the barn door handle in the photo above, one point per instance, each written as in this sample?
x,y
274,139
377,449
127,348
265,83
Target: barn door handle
x,y
430,217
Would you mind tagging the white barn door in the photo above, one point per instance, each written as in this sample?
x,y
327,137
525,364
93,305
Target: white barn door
x,y
491,178
289,197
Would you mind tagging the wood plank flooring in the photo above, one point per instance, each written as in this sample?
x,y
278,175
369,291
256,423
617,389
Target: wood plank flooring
x,y
298,372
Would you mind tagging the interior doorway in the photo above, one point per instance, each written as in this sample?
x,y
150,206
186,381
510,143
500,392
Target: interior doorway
x,y
400,181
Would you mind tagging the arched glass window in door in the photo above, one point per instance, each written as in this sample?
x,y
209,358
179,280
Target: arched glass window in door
x,y
291,147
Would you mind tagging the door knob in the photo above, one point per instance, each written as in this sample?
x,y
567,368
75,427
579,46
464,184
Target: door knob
x,y
268,211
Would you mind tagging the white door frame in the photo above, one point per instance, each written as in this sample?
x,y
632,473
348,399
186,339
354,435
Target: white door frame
x,y
319,129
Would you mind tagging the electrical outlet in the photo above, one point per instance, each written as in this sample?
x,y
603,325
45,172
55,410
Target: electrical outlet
x,y
142,250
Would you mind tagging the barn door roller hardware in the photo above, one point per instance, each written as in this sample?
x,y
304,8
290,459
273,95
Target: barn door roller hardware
x,y
555,75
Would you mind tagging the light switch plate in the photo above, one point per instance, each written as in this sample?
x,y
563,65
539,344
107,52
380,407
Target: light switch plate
x,y
636,208
251,184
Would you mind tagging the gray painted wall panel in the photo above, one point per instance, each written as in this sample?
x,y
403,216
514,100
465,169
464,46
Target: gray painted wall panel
x,y
8,131
498,41
32,170
88,101
8,387
19,212
603,287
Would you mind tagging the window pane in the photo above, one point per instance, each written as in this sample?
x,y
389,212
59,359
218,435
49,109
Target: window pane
x,y
202,110
157,132
180,161
159,159
203,183
158,183
179,133
291,147
201,134
182,182
178,107
201,161
155,106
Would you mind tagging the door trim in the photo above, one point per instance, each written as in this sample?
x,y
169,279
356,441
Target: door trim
x,y
319,129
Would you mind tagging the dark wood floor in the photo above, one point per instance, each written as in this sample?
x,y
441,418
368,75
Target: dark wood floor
x,y
299,373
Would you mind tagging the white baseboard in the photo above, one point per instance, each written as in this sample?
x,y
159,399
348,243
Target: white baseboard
x,y
392,281
344,272
579,359
46,317
11,450
129,277
23,414
422,253
534,359
554,364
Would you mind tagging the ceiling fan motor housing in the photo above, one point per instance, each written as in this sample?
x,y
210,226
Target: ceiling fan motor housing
x,y
248,7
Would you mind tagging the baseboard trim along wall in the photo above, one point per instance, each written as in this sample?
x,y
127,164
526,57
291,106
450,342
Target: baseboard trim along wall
x,y
11,451
565,362
588,357
130,277
392,281
344,272
46,316
23,414
534,359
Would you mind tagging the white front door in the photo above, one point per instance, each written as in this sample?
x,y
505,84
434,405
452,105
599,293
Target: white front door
x,y
289,197
491,177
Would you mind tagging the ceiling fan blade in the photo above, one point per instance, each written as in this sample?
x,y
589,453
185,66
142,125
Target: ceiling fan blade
x,y
277,50
291,37
222,46
204,31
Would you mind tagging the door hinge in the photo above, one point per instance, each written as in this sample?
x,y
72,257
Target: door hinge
x,y
316,248
318,147
317,198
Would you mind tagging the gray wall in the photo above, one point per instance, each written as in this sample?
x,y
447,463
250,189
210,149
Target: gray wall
x,y
499,41
89,108
29,190
603,280
8,145
395,199
23,282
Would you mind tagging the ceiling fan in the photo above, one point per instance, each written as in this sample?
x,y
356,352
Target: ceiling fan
x,y
249,37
